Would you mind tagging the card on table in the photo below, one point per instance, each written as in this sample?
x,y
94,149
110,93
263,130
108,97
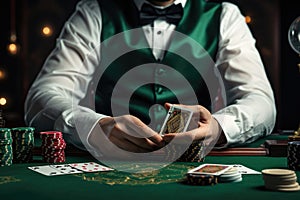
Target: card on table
x,y
90,167
245,170
177,120
74,168
54,170
210,169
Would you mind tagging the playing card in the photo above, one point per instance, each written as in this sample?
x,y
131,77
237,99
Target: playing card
x,y
210,169
46,170
177,120
90,167
245,170
66,169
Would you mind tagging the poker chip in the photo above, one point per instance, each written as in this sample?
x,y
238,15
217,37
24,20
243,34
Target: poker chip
x,y
6,150
53,147
294,138
293,155
201,179
182,153
280,180
231,175
23,144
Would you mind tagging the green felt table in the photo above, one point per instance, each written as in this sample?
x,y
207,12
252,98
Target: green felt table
x,y
18,182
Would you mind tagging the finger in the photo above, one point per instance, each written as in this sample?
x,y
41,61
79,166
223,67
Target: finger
x,y
127,145
168,105
144,143
136,128
181,138
143,131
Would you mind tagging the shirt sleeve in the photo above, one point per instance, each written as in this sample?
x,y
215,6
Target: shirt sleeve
x,y
57,98
250,112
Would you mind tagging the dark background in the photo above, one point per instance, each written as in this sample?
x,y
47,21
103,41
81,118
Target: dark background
x,y
270,24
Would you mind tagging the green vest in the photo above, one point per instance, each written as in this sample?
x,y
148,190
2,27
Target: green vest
x,y
147,88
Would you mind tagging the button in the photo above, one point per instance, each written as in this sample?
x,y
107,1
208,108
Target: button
x,y
159,90
158,32
160,108
160,72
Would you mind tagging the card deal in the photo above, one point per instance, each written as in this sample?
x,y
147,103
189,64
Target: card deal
x,y
210,169
74,168
177,120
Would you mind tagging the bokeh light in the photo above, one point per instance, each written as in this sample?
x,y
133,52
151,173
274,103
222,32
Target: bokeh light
x,y
3,101
13,48
47,31
248,19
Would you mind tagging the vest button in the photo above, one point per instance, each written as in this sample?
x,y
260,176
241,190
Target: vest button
x,y
160,72
159,90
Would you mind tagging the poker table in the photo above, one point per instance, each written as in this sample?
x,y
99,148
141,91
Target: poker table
x,y
18,182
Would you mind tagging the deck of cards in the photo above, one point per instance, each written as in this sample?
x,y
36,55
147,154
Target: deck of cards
x,y
210,169
177,120
74,168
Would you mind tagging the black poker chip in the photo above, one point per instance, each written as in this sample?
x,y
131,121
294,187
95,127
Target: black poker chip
x,y
201,179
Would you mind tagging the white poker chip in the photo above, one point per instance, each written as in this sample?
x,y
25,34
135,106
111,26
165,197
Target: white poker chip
x,y
280,180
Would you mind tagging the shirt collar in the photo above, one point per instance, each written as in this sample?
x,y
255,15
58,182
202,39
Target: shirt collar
x,y
139,3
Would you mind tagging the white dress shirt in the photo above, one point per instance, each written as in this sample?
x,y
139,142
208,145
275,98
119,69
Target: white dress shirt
x,y
51,99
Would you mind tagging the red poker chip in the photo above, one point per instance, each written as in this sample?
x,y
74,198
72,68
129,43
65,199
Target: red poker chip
x,y
54,144
53,153
49,149
53,157
49,139
51,134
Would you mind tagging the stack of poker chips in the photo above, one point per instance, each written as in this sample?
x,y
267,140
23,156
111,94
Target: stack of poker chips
x,y
201,179
23,144
6,151
280,180
293,155
2,120
53,147
180,152
231,175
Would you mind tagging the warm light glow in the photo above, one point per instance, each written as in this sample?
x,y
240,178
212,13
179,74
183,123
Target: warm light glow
x,y
248,19
2,101
2,74
47,31
13,38
12,48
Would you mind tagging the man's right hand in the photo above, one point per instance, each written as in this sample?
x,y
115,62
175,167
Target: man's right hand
x,y
131,134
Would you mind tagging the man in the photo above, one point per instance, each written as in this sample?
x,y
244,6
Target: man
x,y
105,40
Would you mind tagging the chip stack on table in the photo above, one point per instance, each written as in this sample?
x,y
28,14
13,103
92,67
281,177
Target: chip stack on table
x,y
201,179
280,180
231,175
2,120
53,147
23,144
293,155
6,152
207,174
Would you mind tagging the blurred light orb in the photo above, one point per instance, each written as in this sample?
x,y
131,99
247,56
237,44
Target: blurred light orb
x,y
13,48
3,101
47,31
294,35
2,74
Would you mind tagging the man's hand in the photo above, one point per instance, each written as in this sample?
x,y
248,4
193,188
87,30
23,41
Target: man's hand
x,y
131,134
202,126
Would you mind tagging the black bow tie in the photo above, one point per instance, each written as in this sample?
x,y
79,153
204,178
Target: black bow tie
x,y
172,14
